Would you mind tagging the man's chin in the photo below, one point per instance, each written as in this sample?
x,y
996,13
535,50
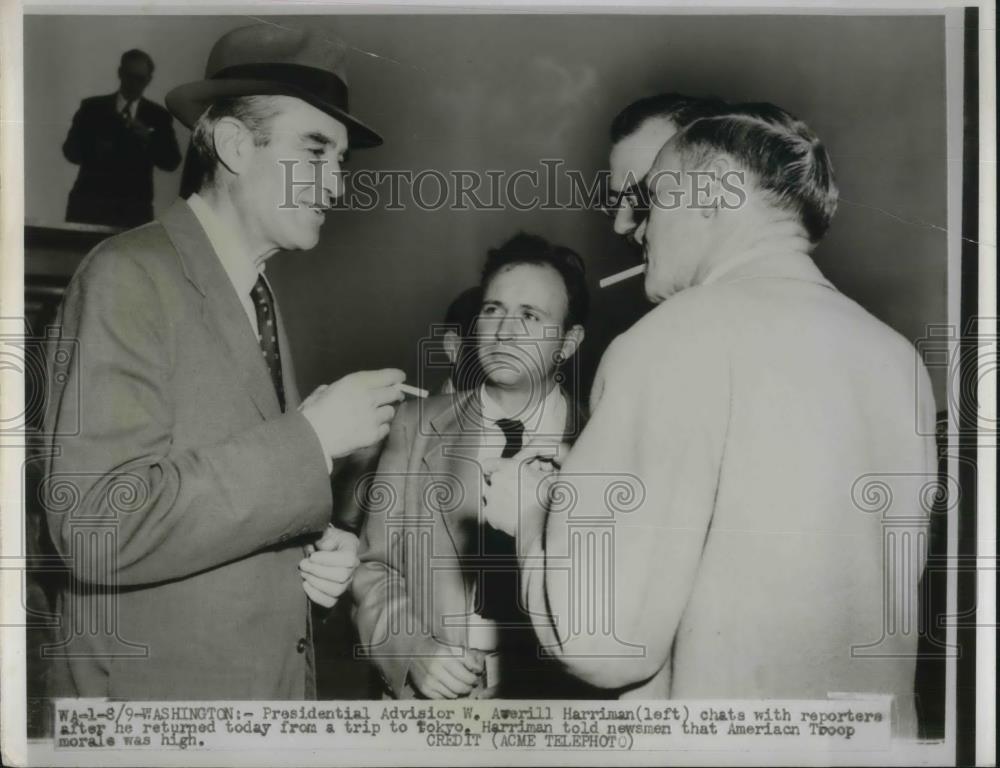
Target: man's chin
x,y
503,379
302,242
654,292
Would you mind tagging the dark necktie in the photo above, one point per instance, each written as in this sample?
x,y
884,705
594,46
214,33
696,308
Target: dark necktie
x,y
267,335
513,433
127,113
498,596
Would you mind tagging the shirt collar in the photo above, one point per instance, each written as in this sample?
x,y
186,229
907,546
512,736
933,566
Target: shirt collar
x,y
779,251
549,418
120,104
242,271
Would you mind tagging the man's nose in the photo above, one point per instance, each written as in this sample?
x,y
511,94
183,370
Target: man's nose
x,y
333,179
510,327
623,222
639,234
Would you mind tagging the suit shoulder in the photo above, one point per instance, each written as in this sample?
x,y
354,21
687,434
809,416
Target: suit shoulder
x,y
96,102
141,255
693,317
435,405
423,410
161,113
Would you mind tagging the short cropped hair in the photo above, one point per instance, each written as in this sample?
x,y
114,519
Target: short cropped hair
x,y
255,112
681,110
789,161
135,54
532,249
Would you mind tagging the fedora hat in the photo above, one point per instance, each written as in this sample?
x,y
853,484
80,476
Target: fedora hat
x,y
265,60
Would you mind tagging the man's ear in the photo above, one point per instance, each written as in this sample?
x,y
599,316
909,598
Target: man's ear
x,y
232,142
572,340
452,343
718,168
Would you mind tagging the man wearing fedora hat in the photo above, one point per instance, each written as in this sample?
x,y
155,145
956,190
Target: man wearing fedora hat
x,y
199,479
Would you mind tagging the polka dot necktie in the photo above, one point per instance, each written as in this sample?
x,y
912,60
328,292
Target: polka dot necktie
x,y
267,335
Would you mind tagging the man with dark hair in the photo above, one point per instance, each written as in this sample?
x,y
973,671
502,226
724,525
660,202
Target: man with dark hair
x,y
201,478
537,251
637,133
775,441
117,140
436,591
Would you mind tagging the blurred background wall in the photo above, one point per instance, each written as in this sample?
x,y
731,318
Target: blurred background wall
x,y
483,92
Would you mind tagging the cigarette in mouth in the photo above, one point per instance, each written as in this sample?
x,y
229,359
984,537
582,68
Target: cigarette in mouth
x,y
625,274
415,391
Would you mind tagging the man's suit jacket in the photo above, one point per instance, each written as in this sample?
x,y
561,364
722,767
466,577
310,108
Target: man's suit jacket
x,y
115,182
782,440
177,490
423,522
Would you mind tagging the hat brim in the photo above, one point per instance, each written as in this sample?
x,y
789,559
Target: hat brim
x,y
189,101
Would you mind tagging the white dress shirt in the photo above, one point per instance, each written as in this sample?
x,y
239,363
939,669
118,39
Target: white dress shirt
x,y
133,106
239,266
547,419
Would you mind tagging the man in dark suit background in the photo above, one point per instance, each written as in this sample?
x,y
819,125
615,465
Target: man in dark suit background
x,y
117,140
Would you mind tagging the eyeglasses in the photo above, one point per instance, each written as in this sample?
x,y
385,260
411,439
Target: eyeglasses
x,y
636,196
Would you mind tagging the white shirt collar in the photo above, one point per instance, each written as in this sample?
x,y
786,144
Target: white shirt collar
x,y
242,270
120,105
549,418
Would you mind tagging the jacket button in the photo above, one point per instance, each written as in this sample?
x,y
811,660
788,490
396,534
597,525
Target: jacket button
x,y
300,646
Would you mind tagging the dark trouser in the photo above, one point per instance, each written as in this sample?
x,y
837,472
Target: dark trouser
x,y
526,673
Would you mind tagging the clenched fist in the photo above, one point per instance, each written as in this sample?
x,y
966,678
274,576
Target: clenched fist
x,y
329,566
516,489
354,412
445,672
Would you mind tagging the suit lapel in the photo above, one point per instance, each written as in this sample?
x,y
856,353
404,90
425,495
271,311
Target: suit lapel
x,y
221,307
452,456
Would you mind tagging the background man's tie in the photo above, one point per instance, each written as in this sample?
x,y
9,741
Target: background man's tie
x,y
267,335
498,596
126,113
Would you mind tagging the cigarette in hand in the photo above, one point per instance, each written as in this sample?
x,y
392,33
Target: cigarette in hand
x,y
415,391
625,274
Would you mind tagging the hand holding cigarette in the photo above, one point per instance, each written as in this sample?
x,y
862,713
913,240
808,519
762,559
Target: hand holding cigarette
x,y
354,412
